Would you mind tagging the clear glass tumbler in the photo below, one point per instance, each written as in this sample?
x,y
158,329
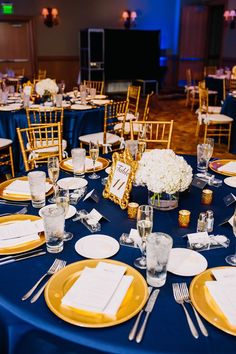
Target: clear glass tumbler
x,y
37,183
78,161
158,246
54,223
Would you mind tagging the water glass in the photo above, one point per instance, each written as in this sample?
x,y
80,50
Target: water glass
x,y
158,246
37,182
59,100
83,96
78,161
92,93
63,201
204,153
54,223
26,100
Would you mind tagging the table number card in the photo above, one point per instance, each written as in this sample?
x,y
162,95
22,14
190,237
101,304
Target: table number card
x,y
120,179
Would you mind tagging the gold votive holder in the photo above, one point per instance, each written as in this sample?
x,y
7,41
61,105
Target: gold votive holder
x,y
207,196
184,218
132,210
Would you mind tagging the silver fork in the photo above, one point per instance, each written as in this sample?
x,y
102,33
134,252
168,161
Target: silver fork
x,y
179,299
21,211
50,271
61,265
185,293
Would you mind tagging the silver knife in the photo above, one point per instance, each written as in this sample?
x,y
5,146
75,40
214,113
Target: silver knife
x,y
22,258
135,326
20,255
148,310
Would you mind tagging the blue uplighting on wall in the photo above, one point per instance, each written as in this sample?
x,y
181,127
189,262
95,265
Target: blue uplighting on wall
x,y
160,15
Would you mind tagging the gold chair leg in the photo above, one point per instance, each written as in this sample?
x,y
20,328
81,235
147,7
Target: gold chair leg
x,y
12,162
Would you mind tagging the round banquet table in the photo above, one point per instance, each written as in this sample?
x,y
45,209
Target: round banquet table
x,y
229,109
215,84
76,123
27,328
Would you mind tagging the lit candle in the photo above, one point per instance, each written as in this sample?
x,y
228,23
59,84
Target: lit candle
x,y
184,218
132,210
207,196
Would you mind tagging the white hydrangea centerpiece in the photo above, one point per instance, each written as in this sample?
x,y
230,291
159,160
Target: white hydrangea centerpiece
x,y
162,171
46,87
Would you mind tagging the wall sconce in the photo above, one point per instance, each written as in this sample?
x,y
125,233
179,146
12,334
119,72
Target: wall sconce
x,y
129,18
50,15
230,16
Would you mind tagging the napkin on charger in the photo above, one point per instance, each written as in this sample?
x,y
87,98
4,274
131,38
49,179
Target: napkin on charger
x,y
88,164
228,167
99,290
19,232
223,292
22,188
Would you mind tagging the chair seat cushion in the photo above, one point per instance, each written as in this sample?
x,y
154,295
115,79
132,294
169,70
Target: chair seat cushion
x,y
5,142
49,149
217,118
211,109
136,127
129,116
99,137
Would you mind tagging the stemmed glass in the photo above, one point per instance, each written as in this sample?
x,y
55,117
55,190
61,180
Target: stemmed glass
x,y
144,227
94,152
75,91
231,259
63,200
209,150
53,173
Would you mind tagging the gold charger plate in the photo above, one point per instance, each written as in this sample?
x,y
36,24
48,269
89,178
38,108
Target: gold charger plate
x,y
205,304
24,246
17,197
104,162
62,281
214,165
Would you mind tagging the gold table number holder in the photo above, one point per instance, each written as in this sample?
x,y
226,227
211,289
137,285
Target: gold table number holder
x,y
120,179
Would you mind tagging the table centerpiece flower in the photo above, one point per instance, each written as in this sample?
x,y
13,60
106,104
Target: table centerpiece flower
x,y
165,174
46,89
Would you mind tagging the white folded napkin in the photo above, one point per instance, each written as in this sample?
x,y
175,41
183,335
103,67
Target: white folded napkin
x,y
22,188
228,167
19,232
100,290
88,164
223,292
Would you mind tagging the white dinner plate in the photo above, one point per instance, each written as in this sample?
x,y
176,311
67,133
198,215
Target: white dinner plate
x,y
230,181
108,170
80,106
185,262
71,211
101,102
97,246
72,183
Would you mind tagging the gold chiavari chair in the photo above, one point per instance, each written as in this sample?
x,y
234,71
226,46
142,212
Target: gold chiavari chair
x,y
232,85
6,157
155,134
133,96
98,85
190,88
147,106
216,125
40,142
47,115
109,139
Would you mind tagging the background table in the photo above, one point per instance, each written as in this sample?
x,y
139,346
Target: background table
x,y
76,123
33,328
215,84
229,109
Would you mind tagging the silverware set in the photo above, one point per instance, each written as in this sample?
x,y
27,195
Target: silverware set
x,y
7,202
148,309
21,256
181,296
57,265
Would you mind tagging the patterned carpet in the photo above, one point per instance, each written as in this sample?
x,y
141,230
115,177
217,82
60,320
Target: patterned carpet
x,y
184,140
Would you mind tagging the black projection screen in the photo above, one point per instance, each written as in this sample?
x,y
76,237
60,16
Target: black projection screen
x,y
131,54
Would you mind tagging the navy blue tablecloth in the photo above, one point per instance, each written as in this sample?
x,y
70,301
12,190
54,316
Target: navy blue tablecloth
x,y
215,85
33,328
229,109
76,123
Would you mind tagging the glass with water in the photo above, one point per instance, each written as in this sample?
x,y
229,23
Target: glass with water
x,y
158,246
54,222
37,183
204,153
